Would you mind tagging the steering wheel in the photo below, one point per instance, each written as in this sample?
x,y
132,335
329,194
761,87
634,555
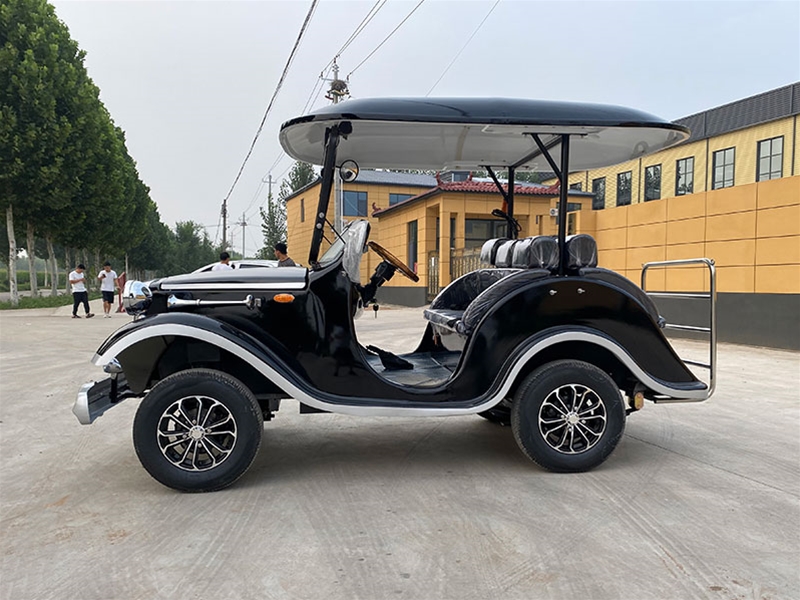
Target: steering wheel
x,y
393,260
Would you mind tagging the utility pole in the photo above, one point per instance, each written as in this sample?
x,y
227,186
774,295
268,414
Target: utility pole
x,y
243,224
337,91
224,224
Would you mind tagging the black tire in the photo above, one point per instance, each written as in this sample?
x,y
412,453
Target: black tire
x,y
568,416
198,430
500,415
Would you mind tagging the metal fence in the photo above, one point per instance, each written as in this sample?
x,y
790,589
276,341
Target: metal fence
x,y
464,261
433,275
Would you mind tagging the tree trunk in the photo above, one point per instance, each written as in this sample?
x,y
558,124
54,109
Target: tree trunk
x,y
12,256
97,267
67,269
53,267
34,280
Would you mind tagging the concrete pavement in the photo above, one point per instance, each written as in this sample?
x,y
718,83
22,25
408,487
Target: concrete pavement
x,y
697,501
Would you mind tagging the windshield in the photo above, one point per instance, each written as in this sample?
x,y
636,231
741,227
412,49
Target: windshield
x,y
349,246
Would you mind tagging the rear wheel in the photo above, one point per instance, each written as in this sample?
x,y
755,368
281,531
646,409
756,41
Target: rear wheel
x,y
198,430
568,416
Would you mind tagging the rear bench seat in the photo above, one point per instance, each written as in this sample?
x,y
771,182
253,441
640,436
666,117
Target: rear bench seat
x,y
461,305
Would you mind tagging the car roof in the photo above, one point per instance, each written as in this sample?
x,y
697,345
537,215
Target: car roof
x,y
472,133
252,262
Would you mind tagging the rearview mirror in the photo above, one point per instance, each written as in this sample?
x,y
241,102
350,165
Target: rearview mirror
x,y
348,171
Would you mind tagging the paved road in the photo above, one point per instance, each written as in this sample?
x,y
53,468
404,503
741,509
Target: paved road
x,y
698,501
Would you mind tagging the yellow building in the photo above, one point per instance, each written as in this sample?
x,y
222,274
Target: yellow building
x,y
436,225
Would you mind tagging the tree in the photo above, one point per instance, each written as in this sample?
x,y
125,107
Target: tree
x,y
191,248
273,219
39,67
273,226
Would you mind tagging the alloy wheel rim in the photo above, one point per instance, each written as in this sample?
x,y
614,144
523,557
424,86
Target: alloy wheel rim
x,y
572,419
196,433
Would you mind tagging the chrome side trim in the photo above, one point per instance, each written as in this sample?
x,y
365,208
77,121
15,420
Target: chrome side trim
x,y
174,329
81,407
213,287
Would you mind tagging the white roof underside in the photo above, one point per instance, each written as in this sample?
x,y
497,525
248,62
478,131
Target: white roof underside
x,y
458,146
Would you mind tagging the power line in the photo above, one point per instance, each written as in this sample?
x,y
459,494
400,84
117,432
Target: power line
x,y
274,95
316,90
386,39
455,58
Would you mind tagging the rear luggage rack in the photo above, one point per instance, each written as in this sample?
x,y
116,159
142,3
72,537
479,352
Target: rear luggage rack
x,y
711,330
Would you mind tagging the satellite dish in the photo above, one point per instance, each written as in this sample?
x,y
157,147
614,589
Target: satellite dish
x,y
348,171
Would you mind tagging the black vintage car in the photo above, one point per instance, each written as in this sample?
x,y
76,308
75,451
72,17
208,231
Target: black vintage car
x,y
541,338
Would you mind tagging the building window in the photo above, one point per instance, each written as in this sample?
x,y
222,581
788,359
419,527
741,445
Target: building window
x,y
684,176
477,231
302,210
452,233
576,186
599,191
652,183
395,198
412,245
770,159
624,188
723,168
571,207
355,204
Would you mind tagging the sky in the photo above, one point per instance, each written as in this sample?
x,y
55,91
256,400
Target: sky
x,y
189,81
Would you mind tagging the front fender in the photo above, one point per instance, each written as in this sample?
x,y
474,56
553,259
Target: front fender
x,y
140,345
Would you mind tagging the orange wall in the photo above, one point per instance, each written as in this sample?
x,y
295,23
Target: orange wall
x,y
751,231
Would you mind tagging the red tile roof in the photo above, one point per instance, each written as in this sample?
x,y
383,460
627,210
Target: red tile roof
x,y
479,187
487,187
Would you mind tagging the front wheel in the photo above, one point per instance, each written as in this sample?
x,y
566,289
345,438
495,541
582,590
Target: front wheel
x,y
198,430
568,416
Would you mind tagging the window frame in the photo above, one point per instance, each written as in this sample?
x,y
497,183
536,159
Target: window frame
x,y
630,188
412,251
594,191
358,203
658,191
771,158
714,155
678,162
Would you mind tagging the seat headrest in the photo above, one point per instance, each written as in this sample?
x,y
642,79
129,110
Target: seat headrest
x,y
538,252
489,250
581,251
505,254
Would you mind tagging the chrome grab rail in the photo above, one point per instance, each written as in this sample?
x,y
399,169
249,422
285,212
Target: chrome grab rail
x,y
173,302
711,330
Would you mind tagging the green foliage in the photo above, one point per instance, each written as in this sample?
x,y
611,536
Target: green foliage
x,y
45,301
300,175
191,248
273,219
273,226
64,166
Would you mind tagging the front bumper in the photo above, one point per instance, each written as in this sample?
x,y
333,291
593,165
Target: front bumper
x,y
97,397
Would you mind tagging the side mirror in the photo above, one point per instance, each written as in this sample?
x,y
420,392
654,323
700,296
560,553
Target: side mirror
x,y
348,171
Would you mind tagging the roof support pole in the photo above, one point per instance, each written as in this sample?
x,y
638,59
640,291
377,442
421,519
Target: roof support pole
x,y
510,199
562,205
328,172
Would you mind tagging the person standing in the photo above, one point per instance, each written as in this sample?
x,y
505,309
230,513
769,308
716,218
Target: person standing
x,y
79,294
108,283
283,258
224,262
